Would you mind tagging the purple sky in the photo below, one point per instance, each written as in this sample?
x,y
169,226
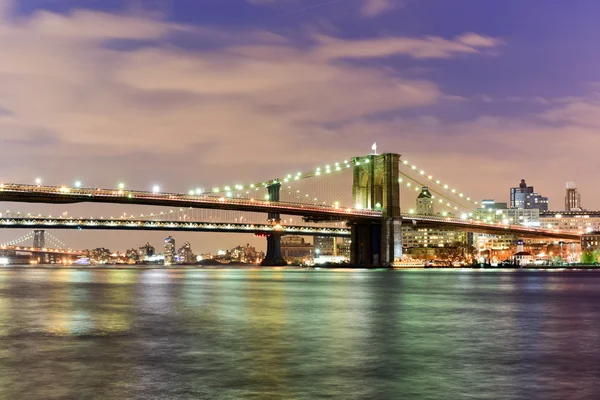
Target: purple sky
x,y
198,93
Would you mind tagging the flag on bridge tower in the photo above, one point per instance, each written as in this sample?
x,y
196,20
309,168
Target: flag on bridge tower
x,y
374,148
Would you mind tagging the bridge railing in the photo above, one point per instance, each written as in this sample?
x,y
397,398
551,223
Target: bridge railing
x,y
182,197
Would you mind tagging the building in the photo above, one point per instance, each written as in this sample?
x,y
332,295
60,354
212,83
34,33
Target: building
x,y
295,250
344,248
170,252
525,197
425,237
492,211
146,251
573,221
425,202
185,254
590,241
325,246
132,256
572,198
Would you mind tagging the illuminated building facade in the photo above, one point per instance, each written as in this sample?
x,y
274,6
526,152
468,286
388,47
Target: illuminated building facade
x,y
572,198
170,252
573,221
146,251
590,241
294,249
525,197
185,254
425,202
325,246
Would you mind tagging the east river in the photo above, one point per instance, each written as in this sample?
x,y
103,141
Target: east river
x,y
299,334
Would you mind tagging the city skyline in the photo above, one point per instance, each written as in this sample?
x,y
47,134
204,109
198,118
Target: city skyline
x,y
179,95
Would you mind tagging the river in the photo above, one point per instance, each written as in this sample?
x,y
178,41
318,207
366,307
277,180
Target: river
x,y
298,334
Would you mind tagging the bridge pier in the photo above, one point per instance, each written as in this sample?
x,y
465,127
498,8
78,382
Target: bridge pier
x,y
273,258
375,186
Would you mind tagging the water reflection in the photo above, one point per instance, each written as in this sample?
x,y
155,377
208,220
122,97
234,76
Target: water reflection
x,y
285,334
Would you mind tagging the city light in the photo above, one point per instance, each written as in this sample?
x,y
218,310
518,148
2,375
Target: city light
x,y
38,181
78,184
121,186
155,189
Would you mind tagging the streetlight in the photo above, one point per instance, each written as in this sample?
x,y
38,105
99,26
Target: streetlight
x,y
78,184
155,189
121,186
38,181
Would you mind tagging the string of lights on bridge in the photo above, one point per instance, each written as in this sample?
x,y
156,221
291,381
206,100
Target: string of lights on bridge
x,y
443,185
327,169
318,171
53,240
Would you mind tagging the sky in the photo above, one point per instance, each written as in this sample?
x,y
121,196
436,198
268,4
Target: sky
x,y
188,93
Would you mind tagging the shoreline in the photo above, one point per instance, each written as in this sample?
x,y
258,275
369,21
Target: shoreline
x,y
255,267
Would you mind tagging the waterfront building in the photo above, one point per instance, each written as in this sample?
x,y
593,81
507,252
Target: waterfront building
x,y
572,198
295,250
432,238
590,241
170,252
132,256
146,251
185,254
492,211
571,221
325,246
344,248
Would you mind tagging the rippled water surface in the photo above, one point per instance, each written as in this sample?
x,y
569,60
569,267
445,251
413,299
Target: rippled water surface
x,y
286,334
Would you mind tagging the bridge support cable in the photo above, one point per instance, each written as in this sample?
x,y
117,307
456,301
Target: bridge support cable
x,y
323,170
55,242
19,241
406,168
440,198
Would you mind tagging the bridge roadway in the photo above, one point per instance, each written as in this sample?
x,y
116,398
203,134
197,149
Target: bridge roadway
x,y
476,226
26,249
417,221
66,195
149,225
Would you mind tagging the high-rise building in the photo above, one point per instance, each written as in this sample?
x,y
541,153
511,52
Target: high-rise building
x,y
186,254
146,251
425,202
525,197
170,251
572,198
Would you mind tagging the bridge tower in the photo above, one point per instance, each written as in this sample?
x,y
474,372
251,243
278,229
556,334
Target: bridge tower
x,y
39,239
273,256
375,186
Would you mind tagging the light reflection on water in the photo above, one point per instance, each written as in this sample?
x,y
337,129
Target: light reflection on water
x,y
288,334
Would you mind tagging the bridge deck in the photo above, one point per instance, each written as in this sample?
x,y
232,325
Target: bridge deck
x,y
64,195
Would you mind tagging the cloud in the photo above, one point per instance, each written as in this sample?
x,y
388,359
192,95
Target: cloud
x,y
428,47
368,8
58,76
373,8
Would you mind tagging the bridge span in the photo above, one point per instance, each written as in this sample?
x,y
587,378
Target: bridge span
x,y
184,226
69,195
414,221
